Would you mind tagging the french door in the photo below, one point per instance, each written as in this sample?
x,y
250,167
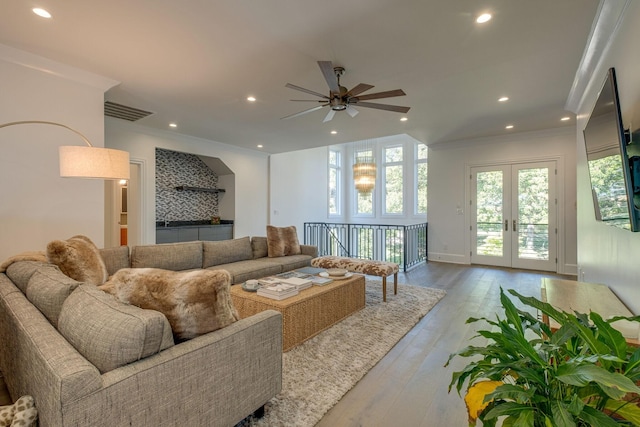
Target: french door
x,y
513,215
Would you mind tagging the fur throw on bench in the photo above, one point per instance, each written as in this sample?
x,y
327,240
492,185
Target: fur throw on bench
x,y
194,302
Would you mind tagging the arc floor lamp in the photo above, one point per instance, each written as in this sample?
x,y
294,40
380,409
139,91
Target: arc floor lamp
x,y
89,161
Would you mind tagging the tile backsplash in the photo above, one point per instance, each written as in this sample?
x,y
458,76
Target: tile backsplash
x,y
175,169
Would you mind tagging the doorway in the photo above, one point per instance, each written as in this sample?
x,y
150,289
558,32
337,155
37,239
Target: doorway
x,y
514,215
123,213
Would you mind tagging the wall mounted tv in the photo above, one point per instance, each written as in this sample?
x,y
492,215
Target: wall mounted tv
x,y
613,160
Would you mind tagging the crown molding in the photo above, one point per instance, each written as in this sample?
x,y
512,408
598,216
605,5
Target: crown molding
x,y
48,66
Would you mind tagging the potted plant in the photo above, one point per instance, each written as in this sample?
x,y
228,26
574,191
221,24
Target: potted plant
x,y
582,374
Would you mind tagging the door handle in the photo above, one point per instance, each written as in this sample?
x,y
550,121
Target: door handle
x,y
514,225
506,225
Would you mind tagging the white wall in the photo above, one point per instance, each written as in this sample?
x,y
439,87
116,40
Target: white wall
x,y
250,169
607,254
449,235
298,188
36,205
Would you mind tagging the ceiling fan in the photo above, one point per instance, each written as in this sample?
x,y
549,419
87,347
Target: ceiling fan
x,y
341,99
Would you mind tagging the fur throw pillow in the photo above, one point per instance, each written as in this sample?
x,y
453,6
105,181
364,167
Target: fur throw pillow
x,y
282,241
23,413
194,302
78,258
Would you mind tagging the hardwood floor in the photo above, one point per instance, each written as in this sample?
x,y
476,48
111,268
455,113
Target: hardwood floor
x,y
409,385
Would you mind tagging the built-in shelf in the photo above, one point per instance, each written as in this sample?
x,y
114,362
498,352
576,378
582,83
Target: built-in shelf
x,y
208,190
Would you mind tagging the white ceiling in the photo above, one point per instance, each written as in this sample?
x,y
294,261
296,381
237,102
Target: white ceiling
x,y
194,62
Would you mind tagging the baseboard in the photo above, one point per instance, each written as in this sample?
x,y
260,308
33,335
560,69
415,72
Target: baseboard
x,y
450,258
570,269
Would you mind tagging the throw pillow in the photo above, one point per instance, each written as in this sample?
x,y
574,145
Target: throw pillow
x,y
282,241
23,413
194,302
78,258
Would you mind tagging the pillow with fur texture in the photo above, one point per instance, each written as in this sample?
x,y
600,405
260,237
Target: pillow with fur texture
x,y
194,302
78,258
282,241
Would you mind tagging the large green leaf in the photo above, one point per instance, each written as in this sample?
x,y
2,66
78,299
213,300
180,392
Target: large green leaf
x,y
506,408
561,415
525,419
614,384
544,307
511,312
612,337
597,418
627,410
510,392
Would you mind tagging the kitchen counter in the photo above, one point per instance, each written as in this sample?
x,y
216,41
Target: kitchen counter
x,y
188,231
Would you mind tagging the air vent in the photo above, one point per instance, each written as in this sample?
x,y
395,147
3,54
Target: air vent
x,y
119,111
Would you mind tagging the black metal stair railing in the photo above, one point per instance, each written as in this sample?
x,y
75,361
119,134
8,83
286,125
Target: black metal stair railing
x,y
405,245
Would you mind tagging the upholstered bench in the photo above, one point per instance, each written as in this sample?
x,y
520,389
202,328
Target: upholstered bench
x,y
365,266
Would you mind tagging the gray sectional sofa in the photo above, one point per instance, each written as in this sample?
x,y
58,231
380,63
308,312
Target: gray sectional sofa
x,y
123,368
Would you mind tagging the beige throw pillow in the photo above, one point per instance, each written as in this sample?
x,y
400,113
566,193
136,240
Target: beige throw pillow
x,y
282,241
194,302
78,258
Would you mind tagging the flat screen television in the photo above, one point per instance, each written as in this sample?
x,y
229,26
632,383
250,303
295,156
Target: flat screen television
x,y
612,171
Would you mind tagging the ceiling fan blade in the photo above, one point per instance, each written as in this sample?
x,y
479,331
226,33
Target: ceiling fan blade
x,y
329,75
301,89
352,111
329,116
378,95
304,112
362,87
396,108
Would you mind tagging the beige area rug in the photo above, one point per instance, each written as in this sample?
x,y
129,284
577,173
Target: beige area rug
x,y
317,373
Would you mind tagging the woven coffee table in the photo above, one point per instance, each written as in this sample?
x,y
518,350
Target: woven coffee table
x,y
310,312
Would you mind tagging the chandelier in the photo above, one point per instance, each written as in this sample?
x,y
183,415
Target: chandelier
x,y
364,170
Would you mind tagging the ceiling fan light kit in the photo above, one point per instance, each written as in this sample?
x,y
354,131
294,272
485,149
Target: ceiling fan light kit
x,y
341,99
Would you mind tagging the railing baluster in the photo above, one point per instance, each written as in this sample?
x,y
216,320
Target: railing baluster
x,y
402,244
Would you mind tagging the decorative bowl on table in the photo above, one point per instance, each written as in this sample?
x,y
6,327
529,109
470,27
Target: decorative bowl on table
x,y
337,272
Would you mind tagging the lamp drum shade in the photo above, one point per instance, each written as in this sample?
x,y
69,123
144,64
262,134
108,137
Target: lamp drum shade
x,y
93,162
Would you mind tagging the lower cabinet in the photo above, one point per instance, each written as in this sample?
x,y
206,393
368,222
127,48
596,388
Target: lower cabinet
x,y
189,234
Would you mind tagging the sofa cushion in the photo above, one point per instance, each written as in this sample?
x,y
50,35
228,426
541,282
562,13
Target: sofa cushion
x,y
241,271
292,262
226,251
78,258
20,273
115,258
109,333
194,302
259,246
282,241
168,256
48,289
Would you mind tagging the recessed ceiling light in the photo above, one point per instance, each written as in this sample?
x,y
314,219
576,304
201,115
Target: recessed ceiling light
x,y
564,119
251,99
41,12
173,125
333,132
508,127
483,18
259,146
503,99
404,119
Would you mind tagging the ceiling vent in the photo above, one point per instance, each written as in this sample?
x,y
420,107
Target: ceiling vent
x,y
119,111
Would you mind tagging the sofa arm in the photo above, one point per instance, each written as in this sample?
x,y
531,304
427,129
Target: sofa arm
x,y
214,379
309,250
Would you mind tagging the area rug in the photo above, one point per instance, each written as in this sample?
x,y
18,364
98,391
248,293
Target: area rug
x,y
317,373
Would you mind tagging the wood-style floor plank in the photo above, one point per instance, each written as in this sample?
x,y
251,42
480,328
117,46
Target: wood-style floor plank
x,y
408,387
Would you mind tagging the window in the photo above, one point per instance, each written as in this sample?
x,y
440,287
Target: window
x,y
420,188
364,201
393,170
335,168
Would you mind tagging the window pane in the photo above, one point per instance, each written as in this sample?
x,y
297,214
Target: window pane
x,y
333,157
393,154
421,188
422,151
333,191
365,203
393,189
